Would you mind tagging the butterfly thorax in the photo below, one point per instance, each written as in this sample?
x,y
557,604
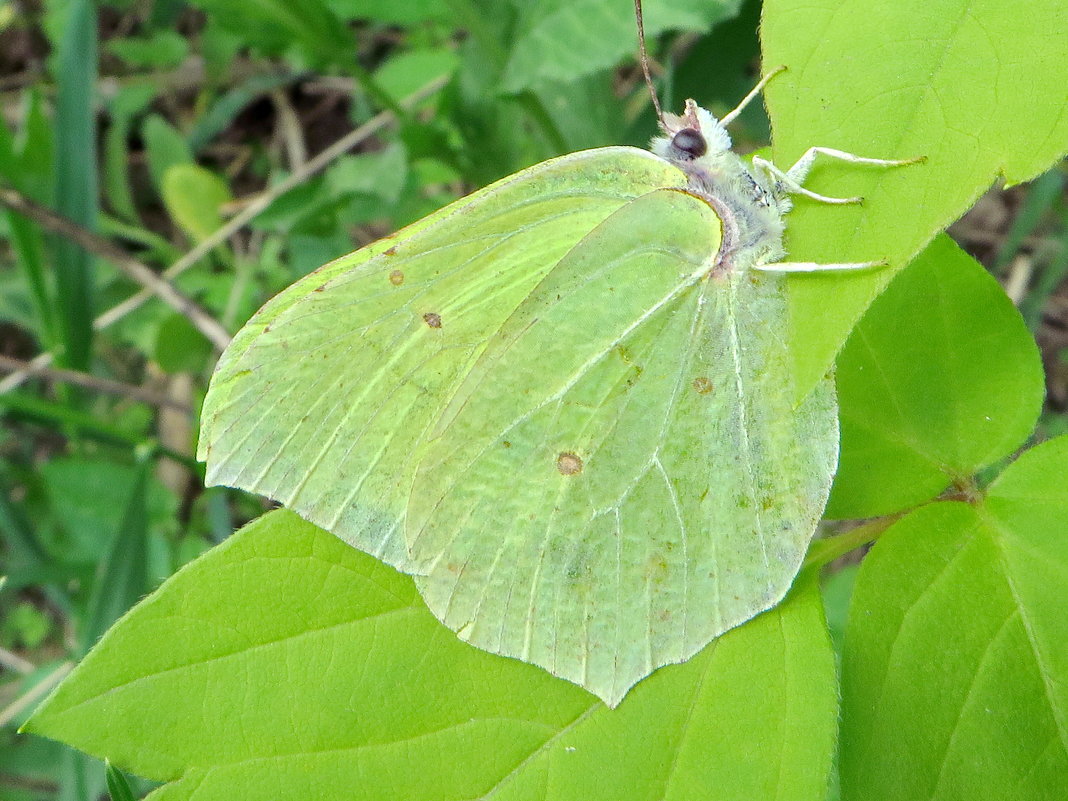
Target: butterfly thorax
x,y
750,203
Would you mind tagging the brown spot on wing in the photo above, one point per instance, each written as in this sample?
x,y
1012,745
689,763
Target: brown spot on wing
x,y
432,319
396,277
703,385
568,463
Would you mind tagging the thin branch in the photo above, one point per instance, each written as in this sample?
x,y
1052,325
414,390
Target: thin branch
x,y
15,663
93,382
16,379
289,129
256,205
30,697
312,167
138,271
1019,278
644,58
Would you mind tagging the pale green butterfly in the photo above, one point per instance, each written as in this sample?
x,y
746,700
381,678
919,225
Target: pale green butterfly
x,y
563,403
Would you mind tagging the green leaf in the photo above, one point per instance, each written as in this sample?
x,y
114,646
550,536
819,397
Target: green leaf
x,y
22,547
717,70
541,402
313,204
410,12
37,143
1038,203
28,245
118,787
955,674
78,777
193,196
940,379
981,93
165,147
598,125
23,625
180,347
567,39
160,50
411,70
382,174
26,162
285,664
837,590
28,761
127,103
122,575
276,25
127,431
164,13
88,496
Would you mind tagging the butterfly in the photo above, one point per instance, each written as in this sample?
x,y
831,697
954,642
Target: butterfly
x,y
563,403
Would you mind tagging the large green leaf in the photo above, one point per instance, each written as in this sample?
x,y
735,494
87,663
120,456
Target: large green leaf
x,y
979,87
955,673
940,379
567,39
542,401
285,665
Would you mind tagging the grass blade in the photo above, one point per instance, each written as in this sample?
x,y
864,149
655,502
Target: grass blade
x,y
76,180
122,576
118,787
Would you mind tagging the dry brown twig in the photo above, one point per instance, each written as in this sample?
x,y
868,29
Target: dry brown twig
x,y
93,382
14,662
39,690
137,270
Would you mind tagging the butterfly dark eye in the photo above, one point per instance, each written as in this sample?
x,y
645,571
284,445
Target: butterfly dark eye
x,y
690,142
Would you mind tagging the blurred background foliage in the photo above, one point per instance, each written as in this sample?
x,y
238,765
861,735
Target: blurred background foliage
x,y
195,138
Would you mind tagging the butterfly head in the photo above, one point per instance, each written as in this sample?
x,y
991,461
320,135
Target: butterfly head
x,y
691,136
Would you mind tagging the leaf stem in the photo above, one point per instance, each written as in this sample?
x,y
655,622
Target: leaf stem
x,y
823,552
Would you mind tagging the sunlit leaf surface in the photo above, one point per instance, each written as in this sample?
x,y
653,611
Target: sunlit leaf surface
x,y
956,647
285,665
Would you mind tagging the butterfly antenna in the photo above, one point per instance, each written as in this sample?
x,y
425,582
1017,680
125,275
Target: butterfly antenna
x,y
645,60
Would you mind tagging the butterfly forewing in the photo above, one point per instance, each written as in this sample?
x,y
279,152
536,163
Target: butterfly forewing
x,y
326,394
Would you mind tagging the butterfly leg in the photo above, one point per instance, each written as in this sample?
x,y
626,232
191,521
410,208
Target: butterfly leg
x,y
813,267
799,172
730,116
793,178
793,185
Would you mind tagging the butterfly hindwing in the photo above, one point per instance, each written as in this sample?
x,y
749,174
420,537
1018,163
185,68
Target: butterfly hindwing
x,y
623,474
